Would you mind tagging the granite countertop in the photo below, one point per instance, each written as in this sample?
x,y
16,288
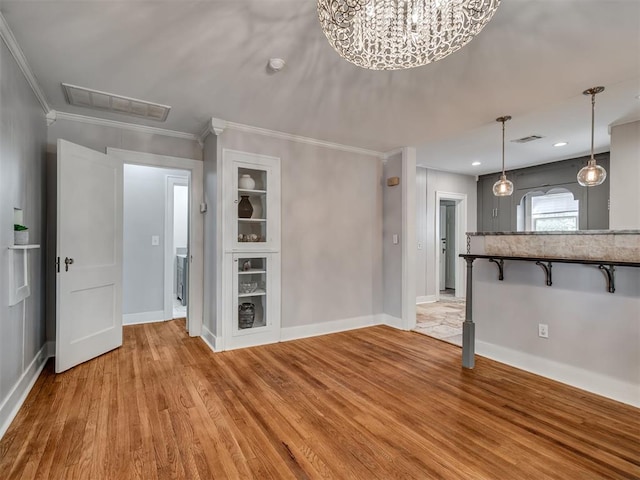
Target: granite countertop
x,y
577,232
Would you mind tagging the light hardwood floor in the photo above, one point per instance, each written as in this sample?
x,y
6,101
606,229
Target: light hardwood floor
x,y
374,403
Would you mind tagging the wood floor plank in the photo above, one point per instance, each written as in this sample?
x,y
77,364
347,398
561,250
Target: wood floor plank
x,y
374,403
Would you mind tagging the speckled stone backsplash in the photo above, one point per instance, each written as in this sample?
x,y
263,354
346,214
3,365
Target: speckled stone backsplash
x,y
621,247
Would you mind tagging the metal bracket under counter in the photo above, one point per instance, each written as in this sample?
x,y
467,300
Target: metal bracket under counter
x,y
608,267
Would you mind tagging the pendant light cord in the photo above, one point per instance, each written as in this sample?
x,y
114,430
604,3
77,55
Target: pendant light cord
x,y
593,124
503,147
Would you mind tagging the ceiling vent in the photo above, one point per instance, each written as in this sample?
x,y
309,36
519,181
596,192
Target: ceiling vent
x,y
85,97
528,139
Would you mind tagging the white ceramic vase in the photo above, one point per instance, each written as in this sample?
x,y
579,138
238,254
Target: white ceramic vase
x,y
246,182
21,237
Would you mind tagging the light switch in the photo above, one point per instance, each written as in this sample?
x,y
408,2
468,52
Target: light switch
x,y
419,246
395,238
155,240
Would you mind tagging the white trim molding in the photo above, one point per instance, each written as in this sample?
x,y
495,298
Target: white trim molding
x,y
143,317
409,238
18,394
460,240
74,117
217,126
21,60
426,299
561,372
213,342
325,328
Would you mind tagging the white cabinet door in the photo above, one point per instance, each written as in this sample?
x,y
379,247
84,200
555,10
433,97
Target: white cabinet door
x,y
255,299
89,250
251,202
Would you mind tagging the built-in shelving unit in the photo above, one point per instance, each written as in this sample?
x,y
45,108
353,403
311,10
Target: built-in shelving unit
x,y
251,301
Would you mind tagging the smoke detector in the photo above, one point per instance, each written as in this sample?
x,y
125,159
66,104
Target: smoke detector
x,y
88,98
275,65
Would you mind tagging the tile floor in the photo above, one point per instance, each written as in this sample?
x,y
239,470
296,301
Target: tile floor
x,y
179,311
442,319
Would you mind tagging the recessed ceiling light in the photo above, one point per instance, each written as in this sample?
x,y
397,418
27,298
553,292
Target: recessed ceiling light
x,y
475,164
560,144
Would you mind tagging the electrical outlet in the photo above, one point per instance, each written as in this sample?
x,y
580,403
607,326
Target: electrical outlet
x,y
543,330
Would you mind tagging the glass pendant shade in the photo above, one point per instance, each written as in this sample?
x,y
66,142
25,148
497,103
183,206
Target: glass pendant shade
x,y
503,187
592,175
398,34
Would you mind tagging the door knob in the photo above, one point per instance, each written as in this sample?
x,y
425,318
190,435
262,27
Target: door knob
x,y
67,261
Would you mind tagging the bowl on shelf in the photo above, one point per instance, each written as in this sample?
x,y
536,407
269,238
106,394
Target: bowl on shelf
x,y
248,287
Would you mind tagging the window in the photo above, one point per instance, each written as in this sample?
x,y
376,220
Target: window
x,y
554,211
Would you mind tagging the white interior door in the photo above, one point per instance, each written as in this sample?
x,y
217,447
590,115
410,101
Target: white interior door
x,y
89,251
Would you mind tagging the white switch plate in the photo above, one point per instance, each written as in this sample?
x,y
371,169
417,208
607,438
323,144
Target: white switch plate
x,y
419,246
395,239
543,330
155,240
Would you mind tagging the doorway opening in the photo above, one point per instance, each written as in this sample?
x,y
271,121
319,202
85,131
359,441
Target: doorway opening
x,y
447,248
155,244
443,318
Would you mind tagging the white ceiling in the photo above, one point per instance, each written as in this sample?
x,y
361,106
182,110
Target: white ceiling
x,y
209,58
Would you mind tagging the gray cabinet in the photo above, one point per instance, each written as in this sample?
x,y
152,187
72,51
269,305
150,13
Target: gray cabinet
x,y
499,214
495,214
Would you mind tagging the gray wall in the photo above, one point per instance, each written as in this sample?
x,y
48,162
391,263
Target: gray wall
x,y
331,228
100,137
145,197
211,232
625,176
22,153
392,225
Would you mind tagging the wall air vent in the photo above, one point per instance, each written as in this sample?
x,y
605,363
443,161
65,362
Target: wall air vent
x,y
528,139
85,97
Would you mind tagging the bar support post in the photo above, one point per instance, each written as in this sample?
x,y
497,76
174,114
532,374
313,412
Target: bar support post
x,y
468,327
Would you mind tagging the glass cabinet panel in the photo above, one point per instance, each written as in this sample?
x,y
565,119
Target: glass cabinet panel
x,y
252,205
250,291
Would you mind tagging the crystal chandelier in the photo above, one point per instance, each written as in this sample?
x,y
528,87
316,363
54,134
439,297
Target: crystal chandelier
x,y
503,187
593,174
398,34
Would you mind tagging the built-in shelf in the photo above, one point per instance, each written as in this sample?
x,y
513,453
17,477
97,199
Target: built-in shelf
x,y
252,220
23,247
19,287
252,271
257,293
252,192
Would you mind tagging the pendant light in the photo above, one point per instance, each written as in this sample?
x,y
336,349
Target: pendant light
x,y
503,187
593,174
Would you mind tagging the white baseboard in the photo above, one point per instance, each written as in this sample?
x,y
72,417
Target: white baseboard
x,y
12,403
604,385
143,317
426,299
210,339
390,320
324,328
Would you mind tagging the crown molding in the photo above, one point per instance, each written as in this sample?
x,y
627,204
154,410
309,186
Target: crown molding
x,y
391,153
73,117
21,60
218,126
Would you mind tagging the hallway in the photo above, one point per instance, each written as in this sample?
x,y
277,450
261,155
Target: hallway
x,y
442,319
